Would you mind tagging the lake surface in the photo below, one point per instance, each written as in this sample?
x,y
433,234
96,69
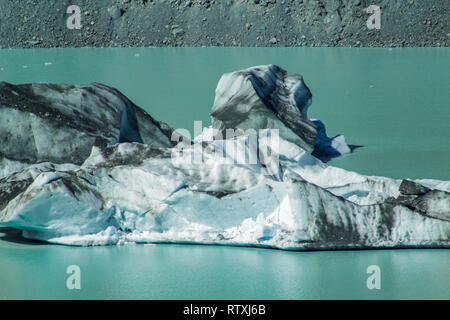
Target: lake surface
x,y
395,102
38,271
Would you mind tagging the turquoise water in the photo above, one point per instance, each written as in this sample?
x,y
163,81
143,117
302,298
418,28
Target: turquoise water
x,y
393,101
31,271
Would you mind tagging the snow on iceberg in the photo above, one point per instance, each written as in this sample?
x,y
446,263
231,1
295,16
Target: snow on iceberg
x,y
240,190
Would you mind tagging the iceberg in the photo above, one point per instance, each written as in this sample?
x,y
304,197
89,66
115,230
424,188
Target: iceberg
x,y
60,123
83,165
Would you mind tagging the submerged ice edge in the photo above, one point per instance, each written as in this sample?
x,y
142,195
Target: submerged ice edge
x,y
105,239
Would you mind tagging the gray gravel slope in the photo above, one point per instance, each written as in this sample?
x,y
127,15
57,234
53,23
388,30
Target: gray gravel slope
x,y
42,23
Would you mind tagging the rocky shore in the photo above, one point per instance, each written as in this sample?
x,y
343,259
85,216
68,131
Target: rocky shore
x,y
115,23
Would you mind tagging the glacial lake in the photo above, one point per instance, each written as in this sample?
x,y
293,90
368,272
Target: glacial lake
x,y
395,102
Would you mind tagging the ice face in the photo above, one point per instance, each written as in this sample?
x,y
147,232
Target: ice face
x,y
270,97
134,193
60,123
